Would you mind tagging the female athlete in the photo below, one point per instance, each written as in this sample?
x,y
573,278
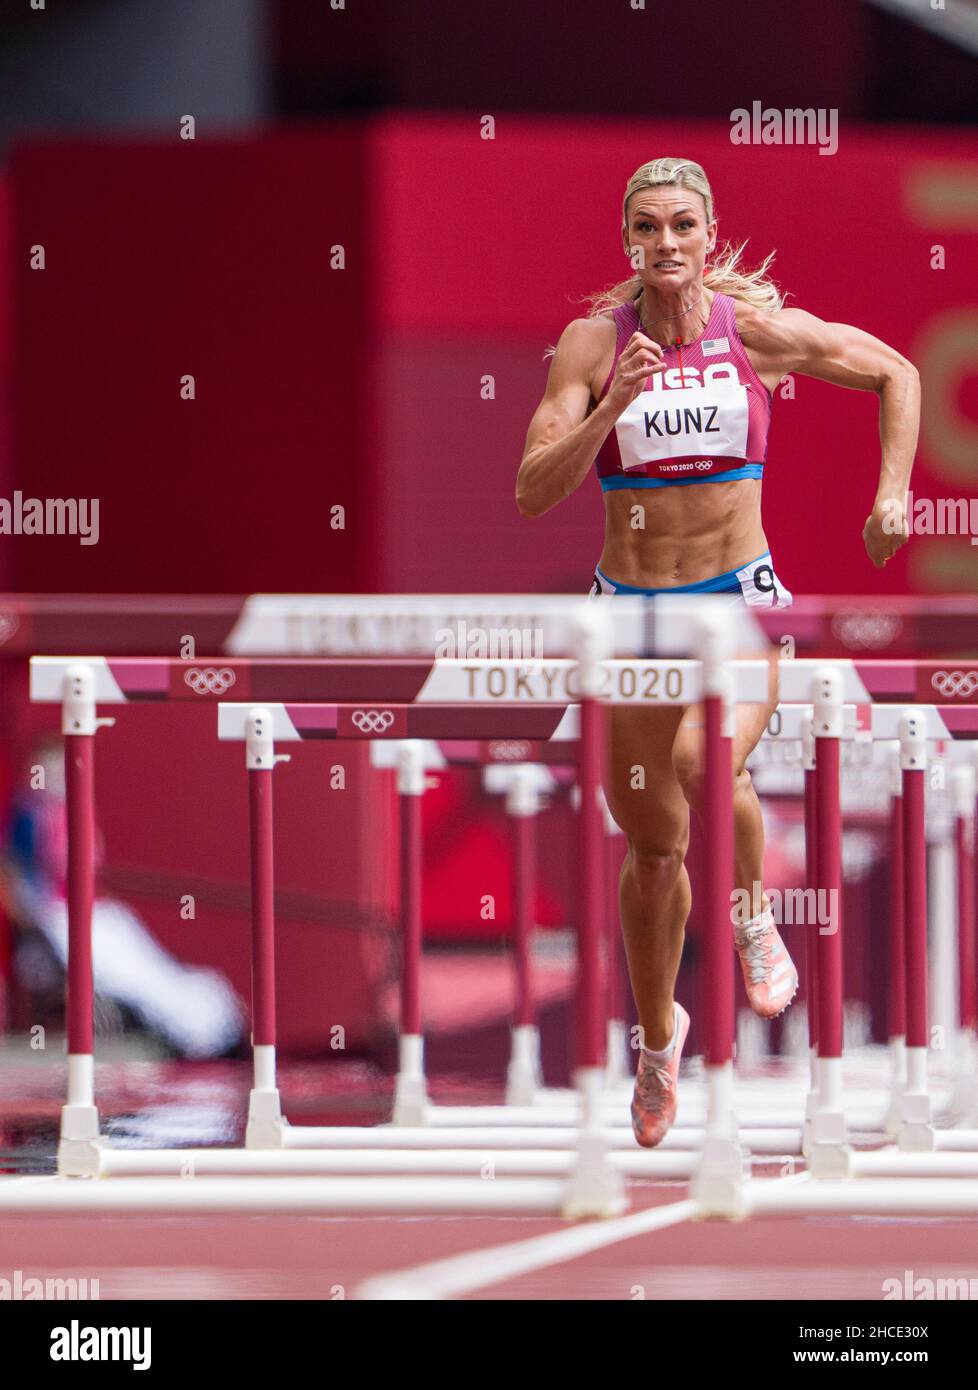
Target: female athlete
x,y
667,385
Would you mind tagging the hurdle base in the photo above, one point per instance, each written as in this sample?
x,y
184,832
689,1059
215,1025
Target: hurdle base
x,y
524,1074
410,1088
916,1138
916,1129
811,1106
830,1162
717,1186
265,1127
80,1145
595,1188
410,1101
893,1119
616,1071
829,1155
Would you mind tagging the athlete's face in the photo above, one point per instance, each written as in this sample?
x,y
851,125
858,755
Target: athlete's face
x,y
670,227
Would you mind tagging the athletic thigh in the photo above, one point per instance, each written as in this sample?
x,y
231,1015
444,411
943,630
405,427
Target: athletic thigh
x,y
749,725
641,785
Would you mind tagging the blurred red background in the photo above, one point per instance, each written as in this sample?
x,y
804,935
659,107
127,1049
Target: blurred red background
x,y
364,387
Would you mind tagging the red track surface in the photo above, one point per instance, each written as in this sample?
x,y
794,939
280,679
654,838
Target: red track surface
x,y
311,1258
317,1257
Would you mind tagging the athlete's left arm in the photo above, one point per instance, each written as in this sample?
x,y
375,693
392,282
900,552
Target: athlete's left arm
x,y
795,341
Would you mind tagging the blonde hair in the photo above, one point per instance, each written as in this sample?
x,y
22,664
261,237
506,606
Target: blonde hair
x,y
722,274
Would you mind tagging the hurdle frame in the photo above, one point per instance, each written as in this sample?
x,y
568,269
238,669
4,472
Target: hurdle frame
x,y
83,690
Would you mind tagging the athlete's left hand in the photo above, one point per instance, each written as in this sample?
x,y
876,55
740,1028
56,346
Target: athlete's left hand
x,y
885,531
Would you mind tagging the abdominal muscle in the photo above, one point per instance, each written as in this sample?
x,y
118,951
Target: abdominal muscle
x,y
656,538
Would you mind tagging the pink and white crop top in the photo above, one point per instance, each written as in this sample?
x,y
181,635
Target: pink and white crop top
x,y
703,420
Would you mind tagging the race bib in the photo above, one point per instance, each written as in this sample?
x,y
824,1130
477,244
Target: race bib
x,y
761,587
707,420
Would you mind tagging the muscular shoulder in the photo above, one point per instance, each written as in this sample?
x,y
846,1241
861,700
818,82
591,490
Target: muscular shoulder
x,y
583,346
587,338
780,330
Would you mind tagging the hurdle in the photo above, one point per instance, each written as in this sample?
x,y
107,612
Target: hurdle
x,y
308,721
927,726
496,1114
964,1101
877,726
314,1196
786,726
148,680
823,625
523,784
956,1139
523,772
718,690
525,780
595,1184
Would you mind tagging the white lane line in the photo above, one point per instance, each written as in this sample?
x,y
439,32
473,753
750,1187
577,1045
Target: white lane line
x,y
461,1274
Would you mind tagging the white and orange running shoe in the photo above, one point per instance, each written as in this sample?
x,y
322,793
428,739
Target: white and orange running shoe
x,y
770,977
654,1101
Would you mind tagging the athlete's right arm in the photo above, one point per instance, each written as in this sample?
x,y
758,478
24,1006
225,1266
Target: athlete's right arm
x,y
563,439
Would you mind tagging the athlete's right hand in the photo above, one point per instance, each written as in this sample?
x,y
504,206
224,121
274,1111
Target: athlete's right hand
x,y
640,358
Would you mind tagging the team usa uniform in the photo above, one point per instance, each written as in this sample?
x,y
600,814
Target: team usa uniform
x,y
703,420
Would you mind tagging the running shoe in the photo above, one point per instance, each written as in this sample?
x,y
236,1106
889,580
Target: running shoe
x,y
770,977
654,1101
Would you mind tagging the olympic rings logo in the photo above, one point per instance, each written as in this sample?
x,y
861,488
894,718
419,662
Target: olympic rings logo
x,y
209,680
962,683
9,623
868,630
372,721
509,750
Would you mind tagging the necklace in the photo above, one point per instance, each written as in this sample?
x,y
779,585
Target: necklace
x,y
669,318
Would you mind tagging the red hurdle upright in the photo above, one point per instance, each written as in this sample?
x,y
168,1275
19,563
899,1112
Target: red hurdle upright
x,y
410,1089
617,1050
264,1127
811,928
79,1116
963,788
916,1130
963,785
524,784
829,1151
718,1182
896,994
596,1188
522,805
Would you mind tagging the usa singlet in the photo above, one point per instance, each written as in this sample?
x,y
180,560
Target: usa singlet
x,y
704,419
